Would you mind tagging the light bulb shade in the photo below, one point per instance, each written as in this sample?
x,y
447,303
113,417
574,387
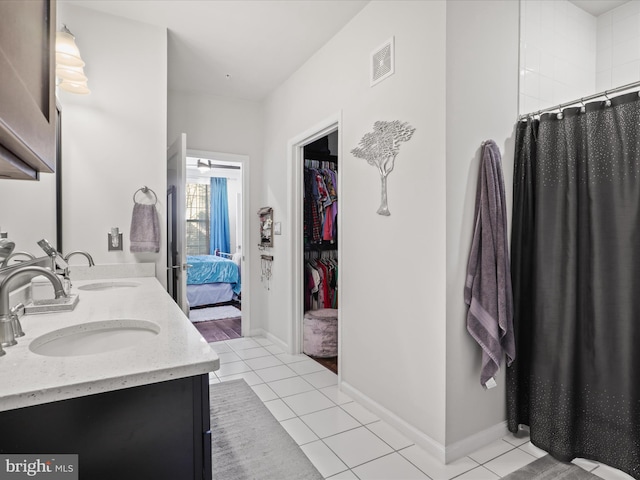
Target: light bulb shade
x,y
67,52
72,74
75,87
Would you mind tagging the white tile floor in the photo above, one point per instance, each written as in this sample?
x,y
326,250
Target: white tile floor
x,y
346,441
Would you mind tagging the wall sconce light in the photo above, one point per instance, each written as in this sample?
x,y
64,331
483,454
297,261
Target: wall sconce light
x,y
204,167
69,64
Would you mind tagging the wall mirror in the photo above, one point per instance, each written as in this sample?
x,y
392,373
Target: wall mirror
x,y
572,49
265,215
41,199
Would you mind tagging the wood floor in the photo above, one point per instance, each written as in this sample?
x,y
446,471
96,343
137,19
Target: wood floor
x,y
219,330
331,363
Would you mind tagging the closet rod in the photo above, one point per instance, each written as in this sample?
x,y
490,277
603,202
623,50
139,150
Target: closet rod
x,y
605,94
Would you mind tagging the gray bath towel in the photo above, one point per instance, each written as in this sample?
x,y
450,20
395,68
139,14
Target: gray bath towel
x,y
488,287
145,229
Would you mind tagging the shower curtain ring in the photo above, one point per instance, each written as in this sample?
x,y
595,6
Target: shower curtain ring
x,y
583,108
608,100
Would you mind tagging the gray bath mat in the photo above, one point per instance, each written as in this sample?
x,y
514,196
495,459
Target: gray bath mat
x,y
548,468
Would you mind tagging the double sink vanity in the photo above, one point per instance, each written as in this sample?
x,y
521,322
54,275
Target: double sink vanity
x,y
121,381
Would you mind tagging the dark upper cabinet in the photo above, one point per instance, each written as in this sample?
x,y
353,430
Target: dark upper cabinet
x,y
27,88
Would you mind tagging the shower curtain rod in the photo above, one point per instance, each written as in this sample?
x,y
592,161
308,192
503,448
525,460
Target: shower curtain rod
x,y
560,106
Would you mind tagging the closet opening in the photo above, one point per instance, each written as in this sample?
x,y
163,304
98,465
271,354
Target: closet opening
x,y
320,251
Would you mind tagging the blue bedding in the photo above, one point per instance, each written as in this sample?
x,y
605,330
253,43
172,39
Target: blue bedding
x,y
212,269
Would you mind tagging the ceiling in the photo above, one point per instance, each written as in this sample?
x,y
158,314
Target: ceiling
x,y
598,7
236,48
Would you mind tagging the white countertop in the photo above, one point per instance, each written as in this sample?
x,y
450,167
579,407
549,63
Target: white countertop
x,y
177,351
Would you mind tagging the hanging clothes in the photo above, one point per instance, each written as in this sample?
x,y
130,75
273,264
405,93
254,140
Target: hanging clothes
x,y
320,202
576,270
321,281
320,234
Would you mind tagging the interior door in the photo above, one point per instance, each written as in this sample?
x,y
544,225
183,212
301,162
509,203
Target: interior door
x,y
176,214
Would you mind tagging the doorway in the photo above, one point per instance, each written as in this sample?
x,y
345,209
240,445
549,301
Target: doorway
x,y
192,273
310,308
214,231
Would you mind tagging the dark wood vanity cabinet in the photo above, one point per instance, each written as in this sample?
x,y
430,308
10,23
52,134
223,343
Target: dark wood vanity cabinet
x,y
27,88
159,431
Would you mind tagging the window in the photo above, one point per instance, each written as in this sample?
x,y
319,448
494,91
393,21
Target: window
x,y
198,219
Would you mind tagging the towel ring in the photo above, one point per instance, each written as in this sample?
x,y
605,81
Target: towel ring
x,y
146,189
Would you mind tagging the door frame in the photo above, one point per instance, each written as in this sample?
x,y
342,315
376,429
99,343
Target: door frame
x,y
295,177
246,228
176,177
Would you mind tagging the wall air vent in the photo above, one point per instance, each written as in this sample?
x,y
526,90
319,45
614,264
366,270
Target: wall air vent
x,y
382,62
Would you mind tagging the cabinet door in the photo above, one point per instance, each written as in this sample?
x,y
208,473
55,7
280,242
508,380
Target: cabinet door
x,y
158,431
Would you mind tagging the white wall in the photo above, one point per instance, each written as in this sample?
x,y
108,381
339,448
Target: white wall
x,y
216,124
618,46
482,96
393,268
567,53
558,54
114,140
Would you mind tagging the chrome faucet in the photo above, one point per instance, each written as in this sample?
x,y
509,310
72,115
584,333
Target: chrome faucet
x,y
56,259
66,269
16,254
79,252
8,318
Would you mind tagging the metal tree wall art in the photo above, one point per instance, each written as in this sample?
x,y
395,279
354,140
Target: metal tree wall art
x,y
380,148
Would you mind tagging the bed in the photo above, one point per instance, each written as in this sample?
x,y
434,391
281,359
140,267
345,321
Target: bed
x,y
212,279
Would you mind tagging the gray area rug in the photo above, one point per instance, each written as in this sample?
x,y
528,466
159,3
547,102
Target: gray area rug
x,y
248,443
548,468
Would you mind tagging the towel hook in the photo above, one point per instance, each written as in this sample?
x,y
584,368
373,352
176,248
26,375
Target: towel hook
x,y
146,190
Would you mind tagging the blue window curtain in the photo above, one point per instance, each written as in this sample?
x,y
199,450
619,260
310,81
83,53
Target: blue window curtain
x,y
219,224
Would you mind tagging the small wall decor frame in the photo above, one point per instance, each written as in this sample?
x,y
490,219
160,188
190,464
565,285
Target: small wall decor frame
x,y
265,214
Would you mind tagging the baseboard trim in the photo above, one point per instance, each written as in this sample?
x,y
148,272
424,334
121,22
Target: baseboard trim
x,y
468,445
420,438
444,454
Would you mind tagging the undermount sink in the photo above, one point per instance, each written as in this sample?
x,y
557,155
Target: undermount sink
x,y
94,337
108,285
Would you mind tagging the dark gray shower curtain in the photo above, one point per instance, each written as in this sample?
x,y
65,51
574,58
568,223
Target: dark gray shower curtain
x,y
575,263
